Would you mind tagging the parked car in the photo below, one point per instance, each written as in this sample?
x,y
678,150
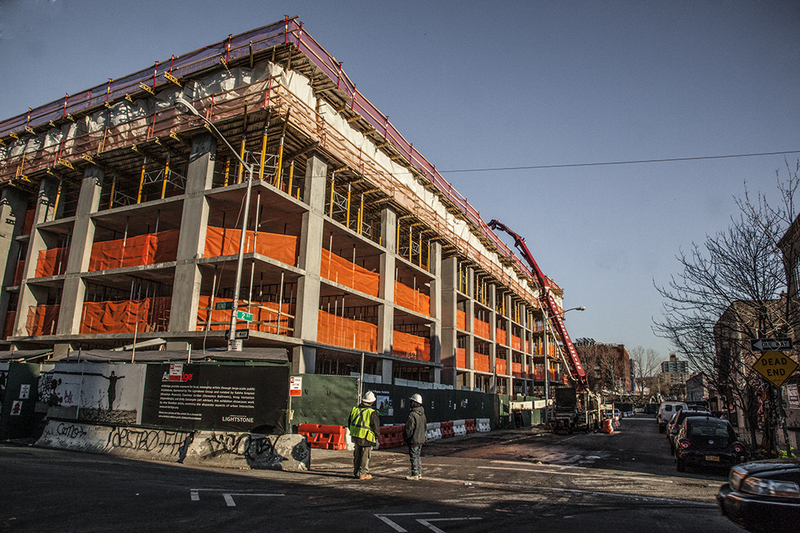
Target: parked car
x,y
674,424
665,412
763,495
707,441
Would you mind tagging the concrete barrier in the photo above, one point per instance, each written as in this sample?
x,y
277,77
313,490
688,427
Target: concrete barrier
x,y
207,448
482,425
459,428
433,431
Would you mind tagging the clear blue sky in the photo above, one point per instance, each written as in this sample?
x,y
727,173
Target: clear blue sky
x,y
510,84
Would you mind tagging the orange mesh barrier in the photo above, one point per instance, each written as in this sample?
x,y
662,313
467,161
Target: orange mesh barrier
x,y
500,364
500,336
52,262
411,346
27,225
538,372
147,249
481,362
516,342
407,297
461,357
19,271
342,271
225,241
516,370
265,317
481,328
126,316
42,319
461,320
347,333
8,330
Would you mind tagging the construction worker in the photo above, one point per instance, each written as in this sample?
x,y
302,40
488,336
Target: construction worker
x,y
365,426
414,436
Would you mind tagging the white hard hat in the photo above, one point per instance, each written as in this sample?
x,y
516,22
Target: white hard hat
x,y
417,398
369,397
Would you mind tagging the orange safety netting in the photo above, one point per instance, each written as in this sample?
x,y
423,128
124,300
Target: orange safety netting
x,y
42,319
27,224
500,364
516,342
461,320
481,362
407,297
538,348
126,316
461,357
225,241
19,272
8,330
342,271
267,318
481,328
500,336
516,370
346,333
147,249
52,262
411,346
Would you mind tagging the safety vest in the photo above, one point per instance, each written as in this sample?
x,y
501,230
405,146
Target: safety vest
x,y
359,423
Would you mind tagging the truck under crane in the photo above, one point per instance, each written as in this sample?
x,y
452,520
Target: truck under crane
x,y
546,298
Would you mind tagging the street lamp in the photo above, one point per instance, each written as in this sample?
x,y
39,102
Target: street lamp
x,y
545,324
185,107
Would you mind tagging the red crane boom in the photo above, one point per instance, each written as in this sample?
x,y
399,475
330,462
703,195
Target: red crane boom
x,y
547,300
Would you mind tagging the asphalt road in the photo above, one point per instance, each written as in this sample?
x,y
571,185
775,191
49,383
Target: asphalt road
x,y
518,480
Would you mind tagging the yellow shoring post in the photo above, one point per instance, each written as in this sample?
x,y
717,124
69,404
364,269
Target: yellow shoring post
x,y
428,262
347,218
291,178
397,239
419,257
280,150
263,147
410,242
141,182
227,170
113,189
240,172
361,215
164,181
58,198
333,183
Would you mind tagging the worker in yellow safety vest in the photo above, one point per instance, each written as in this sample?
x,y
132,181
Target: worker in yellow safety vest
x,y
365,426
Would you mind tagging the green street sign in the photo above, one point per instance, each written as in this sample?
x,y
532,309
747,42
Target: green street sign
x,y
223,306
242,315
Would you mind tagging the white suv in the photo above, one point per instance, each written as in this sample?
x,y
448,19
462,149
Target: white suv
x,y
665,412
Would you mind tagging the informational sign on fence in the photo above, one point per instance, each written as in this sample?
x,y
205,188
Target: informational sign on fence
x,y
295,386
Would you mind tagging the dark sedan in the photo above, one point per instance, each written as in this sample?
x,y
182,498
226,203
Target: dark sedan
x,y
674,425
707,441
763,495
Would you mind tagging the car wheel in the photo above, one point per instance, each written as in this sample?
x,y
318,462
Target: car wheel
x,y
680,465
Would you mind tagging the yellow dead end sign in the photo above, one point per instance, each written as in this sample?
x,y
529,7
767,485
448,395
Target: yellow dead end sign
x,y
775,366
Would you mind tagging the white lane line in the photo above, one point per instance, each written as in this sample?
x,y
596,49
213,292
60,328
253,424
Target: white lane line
x,y
427,522
229,496
394,525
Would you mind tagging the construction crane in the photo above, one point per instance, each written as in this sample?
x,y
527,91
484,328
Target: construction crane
x,y
546,298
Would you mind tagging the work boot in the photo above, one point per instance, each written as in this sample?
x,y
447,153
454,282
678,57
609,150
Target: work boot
x,y
365,477
416,477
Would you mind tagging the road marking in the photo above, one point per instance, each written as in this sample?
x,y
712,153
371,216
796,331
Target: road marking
x,y
394,524
546,469
228,496
427,522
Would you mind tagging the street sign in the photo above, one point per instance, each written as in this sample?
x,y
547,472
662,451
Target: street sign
x,y
242,315
295,386
775,366
242,334
763,345
223,306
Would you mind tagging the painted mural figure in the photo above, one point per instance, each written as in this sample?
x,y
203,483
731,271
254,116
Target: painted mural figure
x,y
112,388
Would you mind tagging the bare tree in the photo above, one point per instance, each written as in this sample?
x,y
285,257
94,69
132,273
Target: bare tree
x,y
645,365
731,290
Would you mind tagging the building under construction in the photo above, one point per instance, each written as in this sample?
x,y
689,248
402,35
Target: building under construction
x,y
126,219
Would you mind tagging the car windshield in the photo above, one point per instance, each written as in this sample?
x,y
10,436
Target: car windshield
x,y
712,430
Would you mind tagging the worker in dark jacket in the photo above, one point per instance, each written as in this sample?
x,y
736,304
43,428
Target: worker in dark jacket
x,y
414,436
365,426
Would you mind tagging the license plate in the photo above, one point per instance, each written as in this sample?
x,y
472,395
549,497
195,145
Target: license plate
x,y
712,458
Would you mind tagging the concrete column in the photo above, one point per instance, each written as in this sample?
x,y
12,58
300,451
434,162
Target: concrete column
x,y
470,325
493,336
13,204
386,289
309,259
80,251
192,239
449,307
435,259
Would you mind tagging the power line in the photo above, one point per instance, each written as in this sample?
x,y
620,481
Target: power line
x,y
607,163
